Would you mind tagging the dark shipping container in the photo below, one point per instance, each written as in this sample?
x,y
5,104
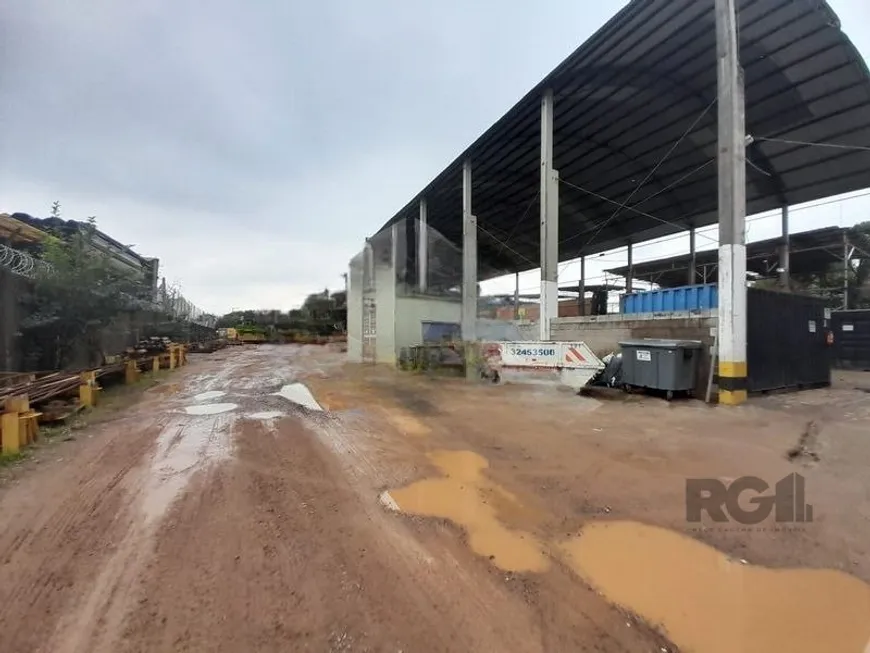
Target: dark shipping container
x,y
851,334
786,341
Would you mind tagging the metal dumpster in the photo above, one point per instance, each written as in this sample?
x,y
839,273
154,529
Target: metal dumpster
x,y
667,365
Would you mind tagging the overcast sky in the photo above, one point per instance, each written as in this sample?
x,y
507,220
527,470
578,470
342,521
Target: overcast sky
x,y
252,146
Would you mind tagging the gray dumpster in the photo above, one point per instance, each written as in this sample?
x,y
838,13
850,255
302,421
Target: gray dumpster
x,y
667,365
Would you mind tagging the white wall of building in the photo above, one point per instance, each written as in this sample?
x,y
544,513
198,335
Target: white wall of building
x,y
411,312
385,297
354,309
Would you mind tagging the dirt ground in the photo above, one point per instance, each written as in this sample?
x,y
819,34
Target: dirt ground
x,y
217,515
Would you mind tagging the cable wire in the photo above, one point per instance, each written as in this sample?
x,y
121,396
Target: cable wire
x,y
504,244
838,146
699,231
653,171
517,223
670,186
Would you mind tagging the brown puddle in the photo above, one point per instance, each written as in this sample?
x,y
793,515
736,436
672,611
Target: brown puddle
x,y
466,497
707,603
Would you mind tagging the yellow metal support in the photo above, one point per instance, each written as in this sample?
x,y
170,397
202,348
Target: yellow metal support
x,y
89,391
171,357
19,424
155,364
29,427
131,372
10,425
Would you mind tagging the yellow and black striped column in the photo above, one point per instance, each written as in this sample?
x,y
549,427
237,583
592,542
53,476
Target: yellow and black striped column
x,y
732,210
732,383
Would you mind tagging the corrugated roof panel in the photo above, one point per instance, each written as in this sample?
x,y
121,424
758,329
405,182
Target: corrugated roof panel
x,y
627,95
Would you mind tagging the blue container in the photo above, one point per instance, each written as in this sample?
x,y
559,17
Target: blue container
x,y
666,300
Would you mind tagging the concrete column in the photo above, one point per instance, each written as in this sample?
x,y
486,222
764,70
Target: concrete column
x,y
784,252
408,265
423,247
732,209
629,280
582,286
549,221
847,257
469,259
692,278
394,251
517,296
368,266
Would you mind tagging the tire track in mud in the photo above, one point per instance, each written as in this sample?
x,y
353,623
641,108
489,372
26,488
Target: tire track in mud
x,y
78,539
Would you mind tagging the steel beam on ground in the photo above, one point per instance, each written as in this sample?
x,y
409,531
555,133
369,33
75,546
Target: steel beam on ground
x,y
469,259
732,208
549,221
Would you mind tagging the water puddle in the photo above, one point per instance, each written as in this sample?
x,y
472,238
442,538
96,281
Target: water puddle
x,y
209,409
298,393
708,603
183,447
208,396
466,497
266,415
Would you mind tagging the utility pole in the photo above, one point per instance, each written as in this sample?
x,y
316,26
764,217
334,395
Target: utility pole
x,y
732,208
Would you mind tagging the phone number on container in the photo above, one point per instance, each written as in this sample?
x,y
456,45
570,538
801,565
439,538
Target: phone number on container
x,y
517,351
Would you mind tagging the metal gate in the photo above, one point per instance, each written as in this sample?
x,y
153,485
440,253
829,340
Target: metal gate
x,y
851,333
369,329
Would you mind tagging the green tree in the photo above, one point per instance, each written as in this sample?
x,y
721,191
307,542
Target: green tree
x,y
78,291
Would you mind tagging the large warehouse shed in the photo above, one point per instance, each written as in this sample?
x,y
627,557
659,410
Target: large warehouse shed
x,y
638,134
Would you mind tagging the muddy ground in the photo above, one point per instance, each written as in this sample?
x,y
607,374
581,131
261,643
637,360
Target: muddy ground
x,y
217,515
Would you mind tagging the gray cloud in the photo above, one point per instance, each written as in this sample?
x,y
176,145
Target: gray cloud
x,y
268,137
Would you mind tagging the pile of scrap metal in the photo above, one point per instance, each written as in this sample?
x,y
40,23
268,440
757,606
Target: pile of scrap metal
x,y
611,375
47,389
39,388
206,347
150,346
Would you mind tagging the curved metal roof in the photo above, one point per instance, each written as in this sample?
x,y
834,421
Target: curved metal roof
x,y
627,95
